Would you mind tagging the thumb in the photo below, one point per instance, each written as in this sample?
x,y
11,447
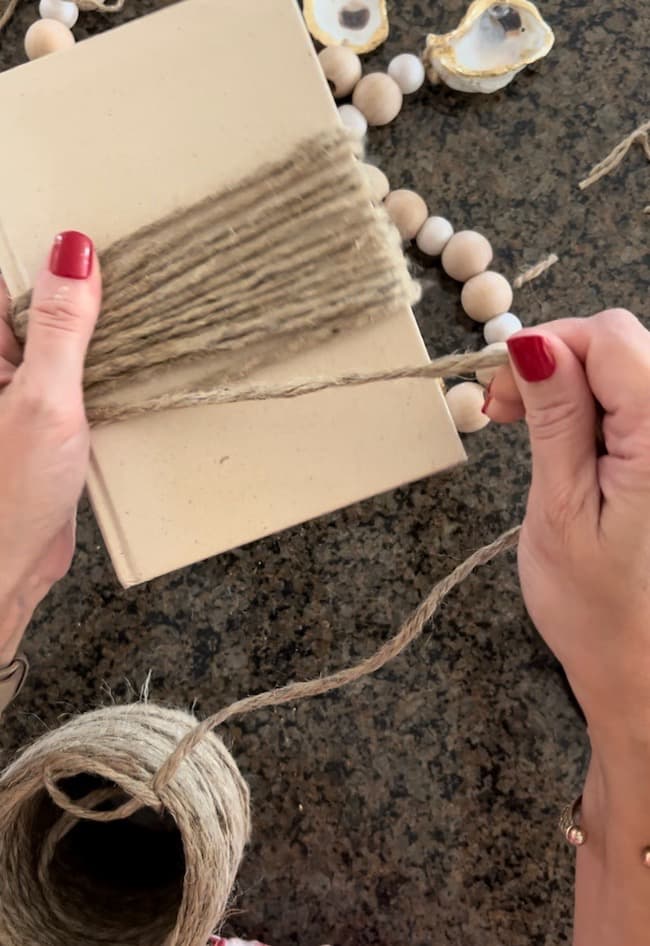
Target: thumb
x,y
561,417
62,316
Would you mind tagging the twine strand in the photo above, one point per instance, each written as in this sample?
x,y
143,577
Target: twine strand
x,y
410,630
617,154
535,271
8,12
448,366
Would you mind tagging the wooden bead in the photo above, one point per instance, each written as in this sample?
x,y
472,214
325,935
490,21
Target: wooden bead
x,y
377,181
501,328
47,36
407,70
407,210
434,235
379,98
65,11
485,375
467,254
342,69
353,120
465,402
485,296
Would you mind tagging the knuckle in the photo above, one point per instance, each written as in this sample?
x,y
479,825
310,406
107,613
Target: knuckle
x,y
553,420
617,321
56,313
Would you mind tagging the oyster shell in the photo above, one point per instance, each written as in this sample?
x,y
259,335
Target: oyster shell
x,y
361,25
493,42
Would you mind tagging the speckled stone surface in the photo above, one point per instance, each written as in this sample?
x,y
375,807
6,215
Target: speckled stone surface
x,y
419,807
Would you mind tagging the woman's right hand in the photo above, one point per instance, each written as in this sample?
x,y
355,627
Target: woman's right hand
x,y
584,561
584,553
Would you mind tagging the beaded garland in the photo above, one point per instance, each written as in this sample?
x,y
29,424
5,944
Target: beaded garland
x,y
466,255
53,31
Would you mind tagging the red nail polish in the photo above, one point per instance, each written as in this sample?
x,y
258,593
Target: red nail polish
x,y
532,357
72,255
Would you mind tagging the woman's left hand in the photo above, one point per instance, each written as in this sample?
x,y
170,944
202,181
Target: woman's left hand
x,y
43,431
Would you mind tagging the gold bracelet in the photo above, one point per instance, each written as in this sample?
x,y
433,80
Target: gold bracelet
x,y
570,823
576,835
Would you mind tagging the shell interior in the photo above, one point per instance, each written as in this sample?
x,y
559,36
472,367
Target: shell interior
x,y
361,25
494,38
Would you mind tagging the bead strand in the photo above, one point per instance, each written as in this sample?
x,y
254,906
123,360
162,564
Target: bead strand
x,y
486,296
53,32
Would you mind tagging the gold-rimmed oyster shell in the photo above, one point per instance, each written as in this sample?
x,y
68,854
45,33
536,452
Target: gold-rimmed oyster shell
x,y
361,25
493,42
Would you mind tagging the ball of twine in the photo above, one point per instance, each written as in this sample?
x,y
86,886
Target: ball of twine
x,y
95,850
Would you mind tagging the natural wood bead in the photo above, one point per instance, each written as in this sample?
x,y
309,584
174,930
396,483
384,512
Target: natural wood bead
x,y
377,181
434,235
485,375
407,70
379,98
407,210
353,120
485,296
465,402
501,328
467,254
342,69
47,36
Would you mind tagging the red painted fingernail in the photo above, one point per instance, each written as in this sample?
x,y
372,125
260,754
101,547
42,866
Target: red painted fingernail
x,y
72,255
488,401
532,356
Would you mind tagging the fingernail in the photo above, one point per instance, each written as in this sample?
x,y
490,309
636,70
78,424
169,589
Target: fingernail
x,y
532,357
488,401
72,255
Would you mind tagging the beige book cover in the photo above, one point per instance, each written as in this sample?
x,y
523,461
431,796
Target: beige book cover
x,y
159,113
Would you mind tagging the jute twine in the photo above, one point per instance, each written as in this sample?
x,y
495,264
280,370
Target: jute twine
x,y
639,136
284,259
126,826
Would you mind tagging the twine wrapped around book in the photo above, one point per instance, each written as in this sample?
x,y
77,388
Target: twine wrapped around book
x,y
127,824
282,260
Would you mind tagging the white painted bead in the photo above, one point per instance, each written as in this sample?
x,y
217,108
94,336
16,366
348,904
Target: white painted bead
x,y
485,296
501,328
485,375
379,98
407,210
467,254
65,11
341,66
465,402
434,235
407,70
353,120
47,36
377,181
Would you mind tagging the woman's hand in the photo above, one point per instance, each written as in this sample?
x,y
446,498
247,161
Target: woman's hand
x,y
584,560
44,438
584,554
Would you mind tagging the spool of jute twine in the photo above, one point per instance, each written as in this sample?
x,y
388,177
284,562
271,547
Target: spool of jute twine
x,y
126,826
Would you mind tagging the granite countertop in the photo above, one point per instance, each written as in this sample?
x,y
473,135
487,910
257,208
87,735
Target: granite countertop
x,y
419,807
